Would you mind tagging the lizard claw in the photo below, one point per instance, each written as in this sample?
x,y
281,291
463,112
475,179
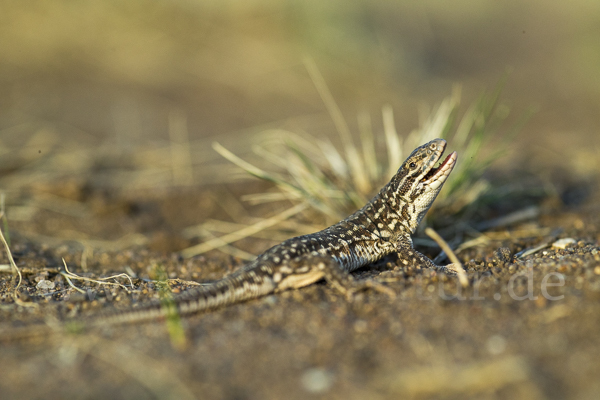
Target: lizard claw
x,y
451,269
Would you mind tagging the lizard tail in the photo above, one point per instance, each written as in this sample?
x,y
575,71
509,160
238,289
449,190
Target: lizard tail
x,y
240,286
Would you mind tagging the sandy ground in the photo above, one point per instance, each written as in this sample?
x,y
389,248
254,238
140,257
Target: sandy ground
x,y
526,328
107,113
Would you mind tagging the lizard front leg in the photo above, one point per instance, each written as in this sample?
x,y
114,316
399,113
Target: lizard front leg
x,y
408,256
311,268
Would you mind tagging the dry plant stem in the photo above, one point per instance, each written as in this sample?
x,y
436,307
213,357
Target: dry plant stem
x,y
246,166
15,269
226,248
260,198
87,252
367,143
280,233
12,262
100,281
242,233
356,167
462,275
3,215
394,147
67,277
10,257
181,157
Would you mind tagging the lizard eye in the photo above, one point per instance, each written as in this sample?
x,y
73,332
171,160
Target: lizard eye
x,y
412,165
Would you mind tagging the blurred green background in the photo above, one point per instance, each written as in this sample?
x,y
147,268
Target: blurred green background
x,y
86,73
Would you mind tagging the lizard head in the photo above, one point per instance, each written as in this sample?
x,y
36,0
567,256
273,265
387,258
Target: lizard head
x,y
418,181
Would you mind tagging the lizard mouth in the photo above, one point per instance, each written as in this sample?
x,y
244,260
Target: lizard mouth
x,y
442,171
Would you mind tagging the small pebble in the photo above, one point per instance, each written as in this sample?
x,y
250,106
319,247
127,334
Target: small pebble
x,y
316,380
563,243
45,285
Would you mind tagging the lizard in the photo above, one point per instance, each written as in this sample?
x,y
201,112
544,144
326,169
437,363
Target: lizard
x,y
382,227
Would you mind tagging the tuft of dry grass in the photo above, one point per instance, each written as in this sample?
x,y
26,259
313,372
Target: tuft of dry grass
x,y
337,182
334,182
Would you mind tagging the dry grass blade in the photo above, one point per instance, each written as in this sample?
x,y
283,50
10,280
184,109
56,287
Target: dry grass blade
x,y
367,141
226,248
242,233
14,267
181,157
60,205
252,170
337,163
100,281
11,260
278,234
462,275
356,165
260,198
394,147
